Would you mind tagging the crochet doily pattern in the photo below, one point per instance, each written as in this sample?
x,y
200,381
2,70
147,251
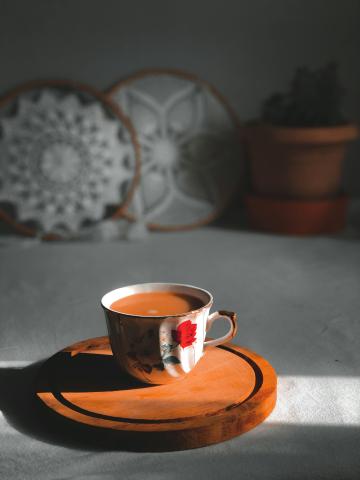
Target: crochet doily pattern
x,y
190,148
64,158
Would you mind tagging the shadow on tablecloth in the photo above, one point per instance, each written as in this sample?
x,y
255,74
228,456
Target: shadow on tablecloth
x,y
27,414
311,443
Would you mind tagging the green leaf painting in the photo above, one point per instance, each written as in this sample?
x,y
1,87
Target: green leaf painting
x,y
171,360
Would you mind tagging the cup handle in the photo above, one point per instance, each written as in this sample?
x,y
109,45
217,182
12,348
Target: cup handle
x,y
231,318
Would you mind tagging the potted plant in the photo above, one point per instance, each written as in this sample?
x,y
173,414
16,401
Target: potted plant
x,y
296,154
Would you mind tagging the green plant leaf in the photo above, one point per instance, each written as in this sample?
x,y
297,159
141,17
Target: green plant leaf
x,y
165,348
171,360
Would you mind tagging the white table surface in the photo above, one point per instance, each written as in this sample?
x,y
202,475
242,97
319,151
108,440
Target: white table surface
x,y
298,302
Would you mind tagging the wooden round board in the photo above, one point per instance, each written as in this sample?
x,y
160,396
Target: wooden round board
x,y
229,392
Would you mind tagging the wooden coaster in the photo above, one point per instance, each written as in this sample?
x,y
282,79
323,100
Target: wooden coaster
x,y
230,391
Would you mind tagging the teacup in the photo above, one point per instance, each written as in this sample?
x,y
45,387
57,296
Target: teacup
x,y
159,349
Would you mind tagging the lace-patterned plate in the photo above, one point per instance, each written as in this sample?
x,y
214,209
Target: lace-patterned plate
x,y
190,148
68,158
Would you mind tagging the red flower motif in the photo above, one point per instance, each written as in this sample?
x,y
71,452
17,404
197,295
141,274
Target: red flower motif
x,y
185,334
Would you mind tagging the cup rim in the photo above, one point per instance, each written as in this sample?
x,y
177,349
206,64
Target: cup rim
x,y
206,292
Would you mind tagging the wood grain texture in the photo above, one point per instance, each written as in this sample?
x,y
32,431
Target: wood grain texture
x,y
229,392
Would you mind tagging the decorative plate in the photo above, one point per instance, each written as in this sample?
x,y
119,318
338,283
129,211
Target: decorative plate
x,y
68,158
190,148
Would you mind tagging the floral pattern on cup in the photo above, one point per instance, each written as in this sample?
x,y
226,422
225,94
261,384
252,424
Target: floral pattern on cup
x,y
140,347
184,336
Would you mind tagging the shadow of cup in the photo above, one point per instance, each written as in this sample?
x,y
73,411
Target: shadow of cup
x,y
25,412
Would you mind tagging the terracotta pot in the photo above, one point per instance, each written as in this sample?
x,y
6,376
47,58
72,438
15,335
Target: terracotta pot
x,y
297,162
297,217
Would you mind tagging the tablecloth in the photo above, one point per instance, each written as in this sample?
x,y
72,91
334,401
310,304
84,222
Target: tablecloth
x,y
298,302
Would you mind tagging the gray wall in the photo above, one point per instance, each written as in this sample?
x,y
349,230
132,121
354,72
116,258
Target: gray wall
x,y
247,48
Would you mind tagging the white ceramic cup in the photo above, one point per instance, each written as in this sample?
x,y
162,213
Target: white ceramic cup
x,y
161,349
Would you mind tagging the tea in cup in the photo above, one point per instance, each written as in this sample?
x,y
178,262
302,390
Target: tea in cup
x,y
157,330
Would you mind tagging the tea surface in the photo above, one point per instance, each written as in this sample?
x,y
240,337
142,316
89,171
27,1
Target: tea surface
x,y
156,304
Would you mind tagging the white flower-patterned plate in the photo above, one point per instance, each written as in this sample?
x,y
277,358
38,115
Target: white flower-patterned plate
x,y
191,151
68,158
